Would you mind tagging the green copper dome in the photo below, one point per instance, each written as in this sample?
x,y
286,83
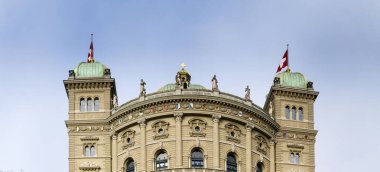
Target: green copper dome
x,y
84,69
292,79
171,87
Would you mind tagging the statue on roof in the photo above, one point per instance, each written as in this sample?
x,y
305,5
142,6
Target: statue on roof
x,y
270,108
142,88
114,101
247,94
214,84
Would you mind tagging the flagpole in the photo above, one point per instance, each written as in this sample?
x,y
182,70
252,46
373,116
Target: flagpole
x,y
287,49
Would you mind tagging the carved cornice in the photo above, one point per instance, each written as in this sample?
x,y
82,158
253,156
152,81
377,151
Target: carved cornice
x,y
89,138
94,168
295,145
215,103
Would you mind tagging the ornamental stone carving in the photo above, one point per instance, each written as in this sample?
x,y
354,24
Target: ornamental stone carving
x,y
262,144
197,127
233,132
160,130
128,139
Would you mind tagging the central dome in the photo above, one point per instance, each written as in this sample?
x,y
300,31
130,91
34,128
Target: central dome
x,y
172,87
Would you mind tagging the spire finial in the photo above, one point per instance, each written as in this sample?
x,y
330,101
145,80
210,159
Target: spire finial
x,y
183,66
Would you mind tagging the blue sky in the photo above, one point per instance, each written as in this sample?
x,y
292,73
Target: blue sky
x,y
335,44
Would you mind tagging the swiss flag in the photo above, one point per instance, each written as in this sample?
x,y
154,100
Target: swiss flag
x,y
90,57
284,62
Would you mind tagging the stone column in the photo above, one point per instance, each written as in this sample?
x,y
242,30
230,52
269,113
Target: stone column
x,y
272,156
215,139
248,150
143,144
114,153
178,135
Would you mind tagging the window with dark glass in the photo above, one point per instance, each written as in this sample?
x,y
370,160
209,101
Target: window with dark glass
x,y
130,166
292,158
96,104
287,112
297,158
197,159
86,151
92,151
300,114
162,160
294,113
82,105
89,104
259,167
231,163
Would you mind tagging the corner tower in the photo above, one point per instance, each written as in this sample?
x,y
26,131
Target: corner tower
x,y
290,103
92,96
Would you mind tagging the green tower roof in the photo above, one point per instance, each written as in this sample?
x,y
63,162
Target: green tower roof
x,y
292,79
84,69
171,87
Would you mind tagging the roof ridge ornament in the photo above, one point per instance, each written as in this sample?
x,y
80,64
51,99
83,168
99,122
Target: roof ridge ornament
x,y
183,65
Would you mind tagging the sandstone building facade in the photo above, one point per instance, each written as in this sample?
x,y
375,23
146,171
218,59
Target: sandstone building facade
x,y
185,127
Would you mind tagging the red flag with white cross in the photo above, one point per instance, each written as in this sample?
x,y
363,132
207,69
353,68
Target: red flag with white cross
x,y
284,62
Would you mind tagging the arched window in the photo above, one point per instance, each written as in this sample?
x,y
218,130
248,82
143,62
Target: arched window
x,y
294,113
300,114
297,158
82,105
92,151
87,151
231,163
292,158
130,166
96,104
89,104
287,112
161,160
259,167
196,158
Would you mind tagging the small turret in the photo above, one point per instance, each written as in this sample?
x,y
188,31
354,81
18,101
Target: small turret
x,y
183,78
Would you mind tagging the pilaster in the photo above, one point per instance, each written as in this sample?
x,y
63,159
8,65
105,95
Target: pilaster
x,y
248,148
215,120
114,153
178,150
142,123
272,156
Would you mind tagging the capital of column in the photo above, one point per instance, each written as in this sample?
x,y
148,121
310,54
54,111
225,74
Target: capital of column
x,y
142,122
249,127
178,116
114,136
216,117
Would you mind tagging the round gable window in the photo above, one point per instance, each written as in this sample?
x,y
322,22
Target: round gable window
x,y
160,131
232,134
197,129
